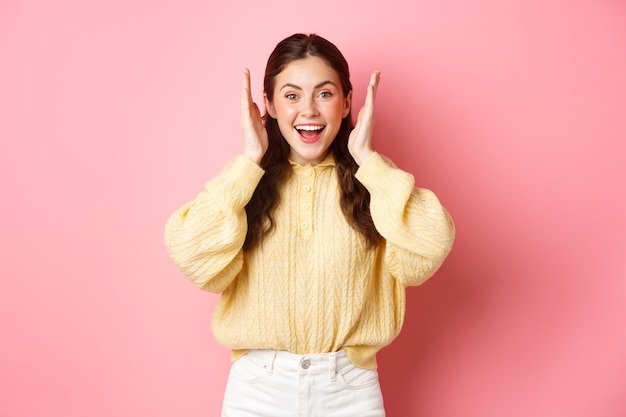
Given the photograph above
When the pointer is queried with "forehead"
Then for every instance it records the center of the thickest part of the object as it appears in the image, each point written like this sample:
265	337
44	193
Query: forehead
307	72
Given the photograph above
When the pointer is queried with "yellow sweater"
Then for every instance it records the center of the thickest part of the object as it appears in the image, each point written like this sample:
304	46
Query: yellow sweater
312	286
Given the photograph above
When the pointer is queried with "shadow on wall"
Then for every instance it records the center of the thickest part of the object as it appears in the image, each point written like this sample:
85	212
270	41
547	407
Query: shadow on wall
442	311
438	316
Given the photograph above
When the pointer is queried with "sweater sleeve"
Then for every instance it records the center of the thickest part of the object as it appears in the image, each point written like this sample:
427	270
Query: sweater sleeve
205	236
418	230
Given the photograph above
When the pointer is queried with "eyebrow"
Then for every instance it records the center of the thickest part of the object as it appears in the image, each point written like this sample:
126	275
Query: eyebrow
322	84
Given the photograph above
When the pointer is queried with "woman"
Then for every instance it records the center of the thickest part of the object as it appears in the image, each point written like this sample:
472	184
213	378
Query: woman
311	238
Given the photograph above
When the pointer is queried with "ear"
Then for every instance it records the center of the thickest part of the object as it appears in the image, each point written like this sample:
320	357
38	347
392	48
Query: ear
269	107
347	104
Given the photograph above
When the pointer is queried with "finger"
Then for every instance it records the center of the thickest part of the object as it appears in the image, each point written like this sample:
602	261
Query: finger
246	95
375	79
372	87
246	79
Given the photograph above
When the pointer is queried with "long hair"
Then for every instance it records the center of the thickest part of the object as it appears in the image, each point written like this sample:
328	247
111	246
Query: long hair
354	197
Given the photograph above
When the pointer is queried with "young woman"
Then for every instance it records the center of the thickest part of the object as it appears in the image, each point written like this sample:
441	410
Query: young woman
311	237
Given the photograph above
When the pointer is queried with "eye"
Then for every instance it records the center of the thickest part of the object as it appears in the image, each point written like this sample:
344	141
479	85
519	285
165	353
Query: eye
291	96
326	94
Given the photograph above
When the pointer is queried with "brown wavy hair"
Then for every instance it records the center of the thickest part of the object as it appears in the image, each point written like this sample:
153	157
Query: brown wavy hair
354	197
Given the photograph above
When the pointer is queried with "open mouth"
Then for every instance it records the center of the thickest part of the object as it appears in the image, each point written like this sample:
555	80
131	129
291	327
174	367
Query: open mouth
309	133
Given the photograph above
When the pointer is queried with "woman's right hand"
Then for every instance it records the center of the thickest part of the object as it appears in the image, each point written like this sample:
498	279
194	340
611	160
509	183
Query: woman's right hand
254	132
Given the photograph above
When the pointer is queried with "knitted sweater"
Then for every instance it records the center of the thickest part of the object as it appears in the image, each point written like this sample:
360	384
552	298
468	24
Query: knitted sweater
312	285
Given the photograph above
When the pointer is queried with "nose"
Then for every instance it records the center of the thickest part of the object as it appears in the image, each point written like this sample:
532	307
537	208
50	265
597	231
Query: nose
309	107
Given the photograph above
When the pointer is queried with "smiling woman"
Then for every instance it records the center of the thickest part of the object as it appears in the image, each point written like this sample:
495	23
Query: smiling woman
310	237
310	105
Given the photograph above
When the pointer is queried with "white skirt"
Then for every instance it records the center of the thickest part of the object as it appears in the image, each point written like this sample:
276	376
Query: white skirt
268	383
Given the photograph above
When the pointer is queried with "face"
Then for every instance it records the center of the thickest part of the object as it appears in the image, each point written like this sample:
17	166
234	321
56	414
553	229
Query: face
309	105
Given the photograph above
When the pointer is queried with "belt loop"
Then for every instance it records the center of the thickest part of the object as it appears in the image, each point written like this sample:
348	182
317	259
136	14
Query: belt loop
332	366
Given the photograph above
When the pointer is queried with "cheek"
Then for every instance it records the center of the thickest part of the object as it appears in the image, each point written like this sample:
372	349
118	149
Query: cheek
336	110
285	119
284	113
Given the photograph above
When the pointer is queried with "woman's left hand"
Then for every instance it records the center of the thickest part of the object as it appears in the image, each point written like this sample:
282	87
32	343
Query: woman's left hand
360	140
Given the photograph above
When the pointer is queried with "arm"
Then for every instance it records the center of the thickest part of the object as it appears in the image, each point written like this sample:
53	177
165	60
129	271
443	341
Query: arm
205	236
418	229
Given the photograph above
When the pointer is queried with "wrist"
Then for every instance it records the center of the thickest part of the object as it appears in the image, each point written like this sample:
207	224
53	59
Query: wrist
362	155
253	157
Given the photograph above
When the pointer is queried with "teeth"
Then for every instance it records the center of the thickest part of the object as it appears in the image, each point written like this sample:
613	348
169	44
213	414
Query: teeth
310	128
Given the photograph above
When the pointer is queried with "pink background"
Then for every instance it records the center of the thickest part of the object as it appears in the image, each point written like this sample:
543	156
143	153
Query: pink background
113	113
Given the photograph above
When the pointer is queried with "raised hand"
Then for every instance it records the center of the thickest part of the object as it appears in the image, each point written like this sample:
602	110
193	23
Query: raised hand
253	129
360	140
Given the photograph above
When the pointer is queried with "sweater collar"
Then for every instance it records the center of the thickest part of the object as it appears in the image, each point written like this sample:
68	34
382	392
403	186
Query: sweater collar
329	161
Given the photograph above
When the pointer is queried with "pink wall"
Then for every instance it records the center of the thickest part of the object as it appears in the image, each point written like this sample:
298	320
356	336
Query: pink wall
113	113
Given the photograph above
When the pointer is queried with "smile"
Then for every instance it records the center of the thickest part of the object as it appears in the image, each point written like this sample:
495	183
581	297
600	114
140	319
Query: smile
309	133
